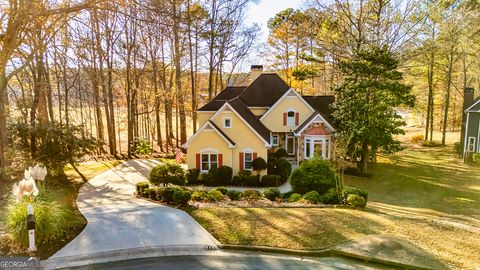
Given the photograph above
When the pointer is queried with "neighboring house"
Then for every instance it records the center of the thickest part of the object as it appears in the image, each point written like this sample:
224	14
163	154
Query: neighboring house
245	122
471	136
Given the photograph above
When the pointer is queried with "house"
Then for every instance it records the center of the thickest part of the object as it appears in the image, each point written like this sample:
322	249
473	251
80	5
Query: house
245	122
470	136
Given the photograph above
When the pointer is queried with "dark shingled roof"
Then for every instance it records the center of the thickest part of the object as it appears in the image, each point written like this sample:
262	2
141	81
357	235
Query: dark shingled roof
322	105
264	91
221	132
251	119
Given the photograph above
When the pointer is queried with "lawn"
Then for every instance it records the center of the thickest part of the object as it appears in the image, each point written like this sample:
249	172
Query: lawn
66	191
425	195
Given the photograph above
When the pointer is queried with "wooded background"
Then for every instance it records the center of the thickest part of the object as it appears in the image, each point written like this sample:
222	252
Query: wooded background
132	70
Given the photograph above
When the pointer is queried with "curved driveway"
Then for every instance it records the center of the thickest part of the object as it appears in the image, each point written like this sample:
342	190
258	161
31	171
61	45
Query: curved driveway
122	226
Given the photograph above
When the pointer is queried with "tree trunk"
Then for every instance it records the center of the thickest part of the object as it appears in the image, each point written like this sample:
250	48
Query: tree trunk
447	95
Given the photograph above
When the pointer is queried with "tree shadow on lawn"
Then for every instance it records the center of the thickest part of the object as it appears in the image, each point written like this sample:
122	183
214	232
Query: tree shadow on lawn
447	188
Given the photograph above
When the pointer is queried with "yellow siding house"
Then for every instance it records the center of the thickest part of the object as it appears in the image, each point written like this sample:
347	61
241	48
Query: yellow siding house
243	123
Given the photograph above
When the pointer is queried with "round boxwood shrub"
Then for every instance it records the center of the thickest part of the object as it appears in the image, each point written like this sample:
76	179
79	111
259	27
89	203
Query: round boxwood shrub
312	197
166	194
192	176
237	181
270	180
283	168
141	186
199	196
286	195
281	153
356	201
224	175
259	164
314	174
214	195
252	194
353	190
244	176
330	197
253	181
271	193
234	195
295	197
168	173
181	196
152	193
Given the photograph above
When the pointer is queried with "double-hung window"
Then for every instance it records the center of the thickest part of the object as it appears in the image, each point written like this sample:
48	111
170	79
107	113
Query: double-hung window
291	118
247	160
275	140
209	161
471	144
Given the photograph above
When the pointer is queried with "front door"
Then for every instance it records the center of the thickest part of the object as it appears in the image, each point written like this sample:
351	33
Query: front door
290	144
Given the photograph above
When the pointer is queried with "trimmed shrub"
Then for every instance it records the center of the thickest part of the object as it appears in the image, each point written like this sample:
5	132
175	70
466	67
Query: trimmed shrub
199	196
252	194
271	193
181	196
432	144
356	201
312	197
222	190
214	195
417	138
259	164
281	153
330	197
286	195
150	193
166	194
234	195
140	187
253	181
168	173
224	175
244	174
352	190
237	181
192	176
283	168
270	180
476	158
295	197
314	174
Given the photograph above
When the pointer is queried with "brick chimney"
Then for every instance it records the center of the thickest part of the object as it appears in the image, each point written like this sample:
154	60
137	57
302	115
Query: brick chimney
467	102
255	72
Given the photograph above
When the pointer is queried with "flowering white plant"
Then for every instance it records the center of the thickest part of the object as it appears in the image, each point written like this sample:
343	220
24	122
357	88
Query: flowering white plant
24	188
38	172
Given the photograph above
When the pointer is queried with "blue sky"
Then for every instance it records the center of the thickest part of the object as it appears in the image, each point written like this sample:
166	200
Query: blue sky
265	9
260	13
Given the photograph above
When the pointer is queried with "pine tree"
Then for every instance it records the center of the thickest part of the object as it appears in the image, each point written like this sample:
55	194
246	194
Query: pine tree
366	102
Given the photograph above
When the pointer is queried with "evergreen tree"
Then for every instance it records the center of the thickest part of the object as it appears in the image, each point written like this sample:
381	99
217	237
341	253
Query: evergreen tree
366	102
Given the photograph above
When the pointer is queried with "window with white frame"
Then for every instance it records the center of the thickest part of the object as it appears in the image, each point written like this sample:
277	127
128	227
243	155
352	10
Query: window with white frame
275	140
471	144
291	118
227	122
247	160
209	160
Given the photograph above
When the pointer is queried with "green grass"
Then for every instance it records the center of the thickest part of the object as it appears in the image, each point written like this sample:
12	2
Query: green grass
425	195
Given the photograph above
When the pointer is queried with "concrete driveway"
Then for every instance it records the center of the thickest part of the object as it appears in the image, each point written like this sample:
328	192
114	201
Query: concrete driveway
121	226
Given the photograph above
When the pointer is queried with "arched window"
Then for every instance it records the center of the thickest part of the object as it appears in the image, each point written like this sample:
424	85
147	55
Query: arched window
275	139
291	118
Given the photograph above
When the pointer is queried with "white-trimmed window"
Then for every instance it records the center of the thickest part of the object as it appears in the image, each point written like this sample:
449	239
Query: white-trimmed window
247	160
275	140
209	160
291	118
227	122
471	144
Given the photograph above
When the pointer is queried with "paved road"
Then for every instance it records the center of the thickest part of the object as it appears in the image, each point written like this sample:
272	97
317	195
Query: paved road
119	223
236	261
